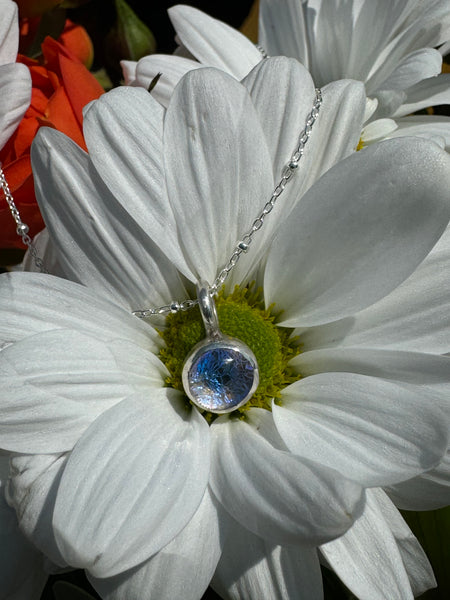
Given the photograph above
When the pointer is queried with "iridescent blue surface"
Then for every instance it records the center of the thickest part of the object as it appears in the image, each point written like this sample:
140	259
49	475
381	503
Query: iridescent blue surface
221	378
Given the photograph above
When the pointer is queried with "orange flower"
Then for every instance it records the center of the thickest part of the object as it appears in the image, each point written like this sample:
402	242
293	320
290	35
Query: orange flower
62	86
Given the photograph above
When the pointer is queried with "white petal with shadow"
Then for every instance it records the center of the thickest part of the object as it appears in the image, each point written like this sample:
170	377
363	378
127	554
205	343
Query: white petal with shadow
368	429
273	493
191	556
342	246
205	38
52	397
149	452
99	244
215	186
364	552
252	567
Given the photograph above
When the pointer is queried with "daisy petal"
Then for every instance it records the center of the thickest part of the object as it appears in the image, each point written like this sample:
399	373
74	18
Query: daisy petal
428	491
158	457
366	550
266	488
368	429
98	243
128	71
34	302
428	92
32	490
127	154
415	67
191	556
435	127
172	68
21	565
251	567
282	30
430	371
282	92
414	316
391	223
224	189
15	83
52	397
199	34
417	565
9	33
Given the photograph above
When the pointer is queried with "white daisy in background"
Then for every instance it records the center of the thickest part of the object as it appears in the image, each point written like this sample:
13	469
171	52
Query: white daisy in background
15	80
115	471
389	46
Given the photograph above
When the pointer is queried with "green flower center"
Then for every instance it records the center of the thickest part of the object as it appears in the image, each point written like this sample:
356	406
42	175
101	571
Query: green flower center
241	315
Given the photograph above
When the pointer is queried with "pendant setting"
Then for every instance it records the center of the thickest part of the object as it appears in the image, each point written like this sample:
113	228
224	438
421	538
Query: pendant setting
220	373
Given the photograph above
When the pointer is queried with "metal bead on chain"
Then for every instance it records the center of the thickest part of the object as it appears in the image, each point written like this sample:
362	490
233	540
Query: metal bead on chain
22	228
243	244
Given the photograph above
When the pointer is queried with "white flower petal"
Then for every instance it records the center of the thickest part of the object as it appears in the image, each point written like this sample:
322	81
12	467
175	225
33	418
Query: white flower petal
128	71
127	154
370	430
415	67
34	302
342	246
417	565
215	186
282	92
191	556
156	469
273	493
9	33
253	568
428	491
415	316
337	131
428	92
21	566
47	251
214	43
434	127
15	84
430	372
282	29
366	551
53	395
98	243
32	489
378	129
172	69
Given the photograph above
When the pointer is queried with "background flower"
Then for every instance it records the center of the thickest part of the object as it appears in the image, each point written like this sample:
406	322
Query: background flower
61	87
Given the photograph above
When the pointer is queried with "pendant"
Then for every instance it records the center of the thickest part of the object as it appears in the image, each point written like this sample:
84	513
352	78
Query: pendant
220	373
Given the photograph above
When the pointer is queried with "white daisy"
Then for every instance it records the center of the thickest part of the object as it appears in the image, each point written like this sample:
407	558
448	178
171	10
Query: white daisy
390	46
152	486
15	80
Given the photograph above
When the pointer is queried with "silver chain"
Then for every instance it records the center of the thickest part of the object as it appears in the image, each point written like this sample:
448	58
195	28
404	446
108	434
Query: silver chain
22	228
243	245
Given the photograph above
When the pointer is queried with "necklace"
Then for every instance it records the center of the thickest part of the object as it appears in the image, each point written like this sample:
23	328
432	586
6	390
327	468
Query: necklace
221	373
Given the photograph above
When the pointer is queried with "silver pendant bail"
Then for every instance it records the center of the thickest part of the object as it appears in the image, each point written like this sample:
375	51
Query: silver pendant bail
208	311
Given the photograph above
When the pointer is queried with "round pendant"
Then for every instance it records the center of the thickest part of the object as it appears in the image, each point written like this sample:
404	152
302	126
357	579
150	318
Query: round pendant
220	373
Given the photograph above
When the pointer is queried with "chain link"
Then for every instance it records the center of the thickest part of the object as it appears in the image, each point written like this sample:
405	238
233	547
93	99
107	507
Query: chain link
22	228
243	245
